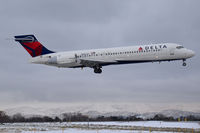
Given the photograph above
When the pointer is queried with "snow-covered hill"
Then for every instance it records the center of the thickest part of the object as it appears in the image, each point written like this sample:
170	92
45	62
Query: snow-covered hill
105	109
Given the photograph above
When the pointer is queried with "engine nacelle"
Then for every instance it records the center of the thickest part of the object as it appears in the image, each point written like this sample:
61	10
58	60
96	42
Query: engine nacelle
52	60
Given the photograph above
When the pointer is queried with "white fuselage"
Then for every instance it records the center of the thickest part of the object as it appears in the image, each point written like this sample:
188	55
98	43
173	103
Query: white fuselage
118	55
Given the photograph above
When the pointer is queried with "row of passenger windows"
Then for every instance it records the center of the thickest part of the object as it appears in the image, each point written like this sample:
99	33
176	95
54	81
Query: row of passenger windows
118	53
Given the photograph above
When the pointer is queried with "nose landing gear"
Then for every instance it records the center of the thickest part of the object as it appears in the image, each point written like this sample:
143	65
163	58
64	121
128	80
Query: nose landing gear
184	63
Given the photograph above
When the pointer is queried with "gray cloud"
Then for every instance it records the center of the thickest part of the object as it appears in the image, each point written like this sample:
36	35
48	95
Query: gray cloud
72	25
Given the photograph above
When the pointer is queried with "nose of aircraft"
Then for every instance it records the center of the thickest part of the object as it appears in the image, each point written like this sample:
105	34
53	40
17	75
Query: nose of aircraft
191	53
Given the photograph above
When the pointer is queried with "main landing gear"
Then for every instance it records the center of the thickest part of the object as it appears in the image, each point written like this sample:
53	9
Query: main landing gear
184	63
97	69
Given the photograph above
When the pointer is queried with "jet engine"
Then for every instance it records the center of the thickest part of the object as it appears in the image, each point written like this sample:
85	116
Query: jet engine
52	60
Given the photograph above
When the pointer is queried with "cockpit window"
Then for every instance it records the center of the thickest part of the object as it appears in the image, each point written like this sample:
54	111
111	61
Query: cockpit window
179	47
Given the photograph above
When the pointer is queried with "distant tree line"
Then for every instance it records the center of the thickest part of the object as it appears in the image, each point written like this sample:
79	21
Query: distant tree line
78	117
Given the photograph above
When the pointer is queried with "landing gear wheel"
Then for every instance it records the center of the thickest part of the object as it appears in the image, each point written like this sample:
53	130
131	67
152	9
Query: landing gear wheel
184	64
97	70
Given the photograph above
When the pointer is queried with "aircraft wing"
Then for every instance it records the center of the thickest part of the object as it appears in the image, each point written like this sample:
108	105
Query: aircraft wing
93	63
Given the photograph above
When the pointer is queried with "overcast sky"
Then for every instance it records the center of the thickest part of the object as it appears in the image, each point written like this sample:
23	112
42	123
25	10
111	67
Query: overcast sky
63	25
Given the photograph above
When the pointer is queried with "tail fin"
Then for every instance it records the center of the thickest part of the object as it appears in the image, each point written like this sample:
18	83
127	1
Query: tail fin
32	46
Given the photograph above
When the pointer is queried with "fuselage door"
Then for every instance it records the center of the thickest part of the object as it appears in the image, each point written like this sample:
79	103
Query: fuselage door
172	52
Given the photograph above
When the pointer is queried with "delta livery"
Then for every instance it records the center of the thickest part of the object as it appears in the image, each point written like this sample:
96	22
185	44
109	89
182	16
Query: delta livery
97	58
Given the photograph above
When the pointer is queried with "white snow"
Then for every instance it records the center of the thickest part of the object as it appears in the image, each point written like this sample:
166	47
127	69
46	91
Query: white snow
92	131
163	124
57	127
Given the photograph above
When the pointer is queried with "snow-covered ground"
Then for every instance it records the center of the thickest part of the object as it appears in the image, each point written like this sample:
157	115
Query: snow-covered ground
96	127
92	131
194	125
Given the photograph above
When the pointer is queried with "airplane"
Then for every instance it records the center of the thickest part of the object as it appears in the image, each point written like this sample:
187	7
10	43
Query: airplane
97	58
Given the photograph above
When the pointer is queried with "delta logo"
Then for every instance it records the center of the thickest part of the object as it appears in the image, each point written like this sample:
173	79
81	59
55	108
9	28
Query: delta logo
155	47
140	49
